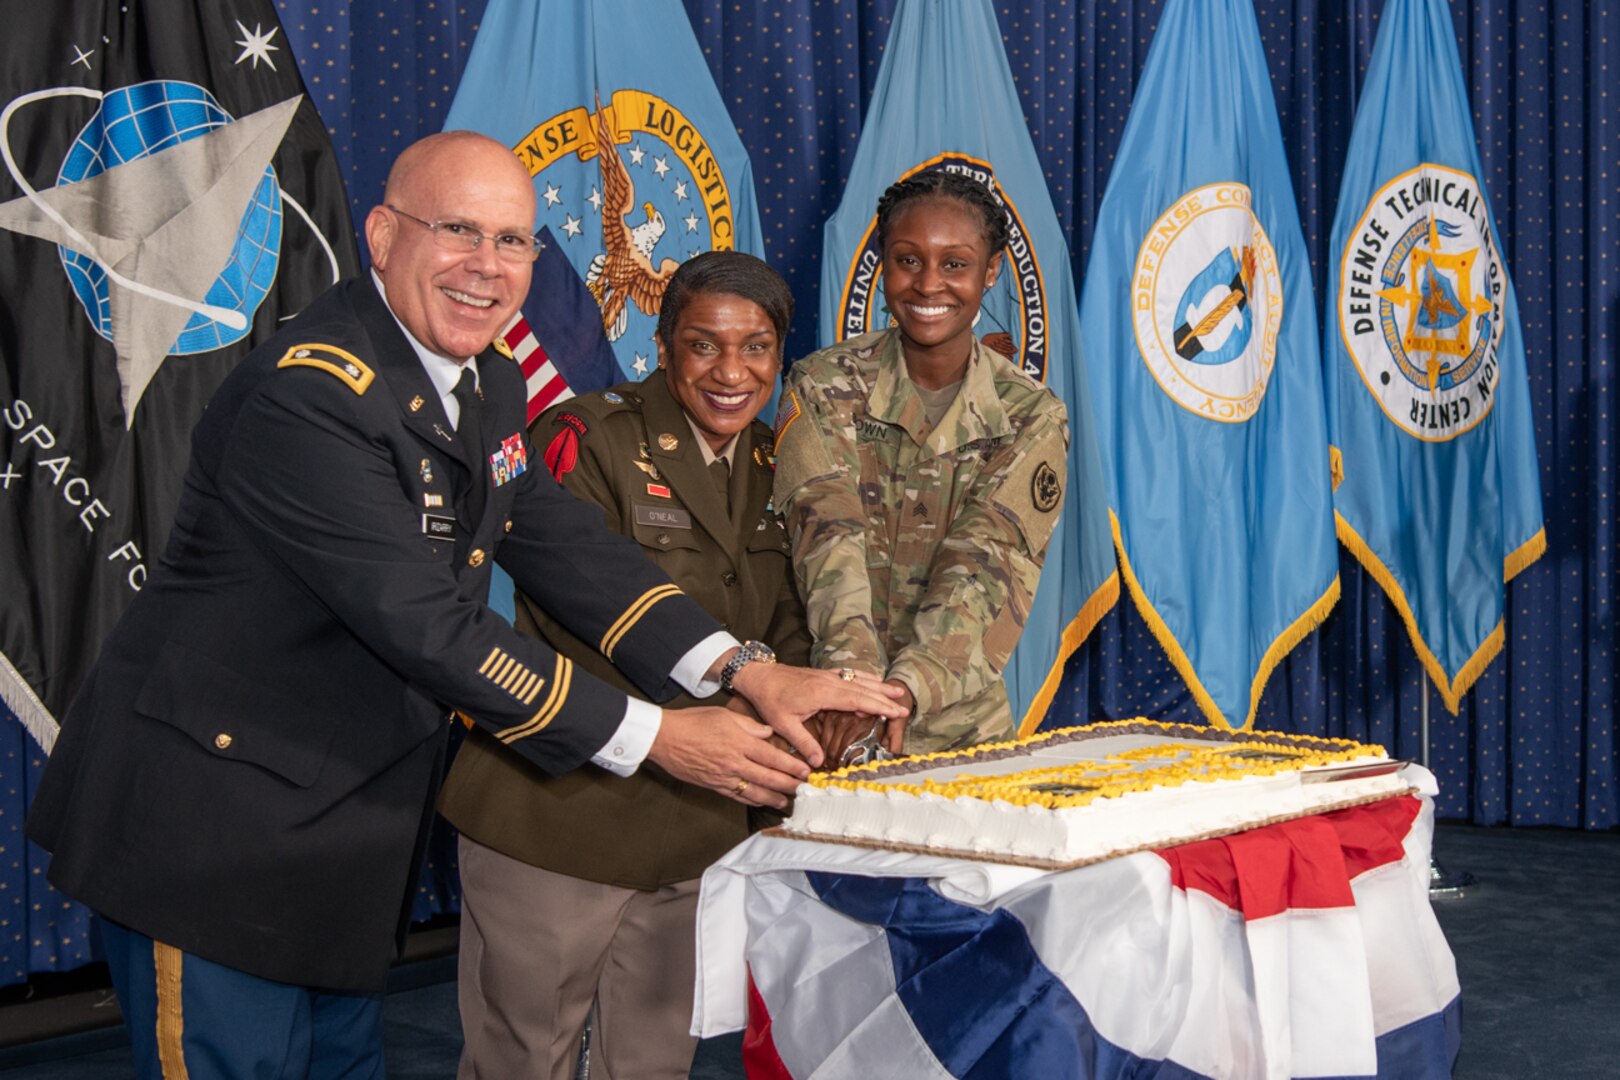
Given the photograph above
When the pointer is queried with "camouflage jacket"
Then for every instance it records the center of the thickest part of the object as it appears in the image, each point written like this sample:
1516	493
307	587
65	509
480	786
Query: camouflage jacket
918	550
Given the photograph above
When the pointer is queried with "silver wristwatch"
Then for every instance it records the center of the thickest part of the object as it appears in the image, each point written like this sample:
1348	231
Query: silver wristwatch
750	651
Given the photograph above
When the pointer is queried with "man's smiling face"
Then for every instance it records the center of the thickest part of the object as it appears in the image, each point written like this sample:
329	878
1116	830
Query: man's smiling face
453	302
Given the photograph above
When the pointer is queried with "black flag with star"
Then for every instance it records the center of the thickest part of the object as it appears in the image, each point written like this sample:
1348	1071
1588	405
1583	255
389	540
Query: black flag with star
168	198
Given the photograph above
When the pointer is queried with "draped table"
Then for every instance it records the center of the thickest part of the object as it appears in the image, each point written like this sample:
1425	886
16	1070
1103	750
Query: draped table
1301	949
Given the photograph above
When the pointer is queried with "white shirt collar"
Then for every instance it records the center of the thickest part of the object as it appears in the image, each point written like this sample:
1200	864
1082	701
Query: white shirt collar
442	371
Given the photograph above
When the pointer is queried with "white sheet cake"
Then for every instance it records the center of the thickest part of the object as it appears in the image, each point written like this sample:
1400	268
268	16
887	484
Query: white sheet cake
1077	795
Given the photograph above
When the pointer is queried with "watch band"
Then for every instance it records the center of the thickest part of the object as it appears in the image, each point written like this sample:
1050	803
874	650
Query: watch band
750	651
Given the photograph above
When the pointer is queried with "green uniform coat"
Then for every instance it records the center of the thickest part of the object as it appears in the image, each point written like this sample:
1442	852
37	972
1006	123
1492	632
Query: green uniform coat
649	829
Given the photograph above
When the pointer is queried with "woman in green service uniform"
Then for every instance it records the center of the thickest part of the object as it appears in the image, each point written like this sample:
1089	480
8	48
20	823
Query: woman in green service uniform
583	888
920	474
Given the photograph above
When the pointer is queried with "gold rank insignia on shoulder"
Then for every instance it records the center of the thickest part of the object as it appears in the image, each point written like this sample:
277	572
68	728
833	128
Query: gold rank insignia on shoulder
334	361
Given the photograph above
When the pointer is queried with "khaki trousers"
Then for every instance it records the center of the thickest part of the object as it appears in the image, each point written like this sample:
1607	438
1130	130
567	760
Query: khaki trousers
538	948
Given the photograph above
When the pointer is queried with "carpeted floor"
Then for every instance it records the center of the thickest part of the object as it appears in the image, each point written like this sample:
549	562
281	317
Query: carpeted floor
1537	945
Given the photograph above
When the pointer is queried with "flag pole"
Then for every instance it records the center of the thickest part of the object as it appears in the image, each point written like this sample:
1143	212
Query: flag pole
1443	885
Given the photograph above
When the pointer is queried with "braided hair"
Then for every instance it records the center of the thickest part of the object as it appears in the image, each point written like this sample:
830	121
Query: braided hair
937	183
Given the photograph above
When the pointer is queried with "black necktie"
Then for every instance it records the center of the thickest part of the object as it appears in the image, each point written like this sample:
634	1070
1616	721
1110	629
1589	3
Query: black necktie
720	473
469	428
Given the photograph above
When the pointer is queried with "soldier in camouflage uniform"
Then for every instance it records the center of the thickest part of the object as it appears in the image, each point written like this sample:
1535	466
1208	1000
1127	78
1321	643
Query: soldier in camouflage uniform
920	475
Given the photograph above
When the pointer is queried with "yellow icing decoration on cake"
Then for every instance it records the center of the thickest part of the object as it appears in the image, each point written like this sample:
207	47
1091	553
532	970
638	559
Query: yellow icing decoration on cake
1078	784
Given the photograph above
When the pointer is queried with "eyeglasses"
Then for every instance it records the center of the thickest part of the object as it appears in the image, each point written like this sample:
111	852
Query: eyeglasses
458	236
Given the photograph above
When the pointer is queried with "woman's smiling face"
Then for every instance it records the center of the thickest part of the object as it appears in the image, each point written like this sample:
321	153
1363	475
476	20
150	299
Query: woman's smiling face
936	267
721	364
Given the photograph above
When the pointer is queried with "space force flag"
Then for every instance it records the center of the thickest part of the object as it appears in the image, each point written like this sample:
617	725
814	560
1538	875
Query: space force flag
1428	403
1200	333
559	81
945	99
169	197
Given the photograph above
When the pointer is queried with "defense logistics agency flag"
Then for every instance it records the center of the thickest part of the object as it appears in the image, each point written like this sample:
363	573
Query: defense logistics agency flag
169	199
1201	331
945	99
557	80
1428	403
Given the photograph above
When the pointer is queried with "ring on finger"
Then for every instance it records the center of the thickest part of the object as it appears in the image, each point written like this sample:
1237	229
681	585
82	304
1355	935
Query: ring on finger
739	787
847	674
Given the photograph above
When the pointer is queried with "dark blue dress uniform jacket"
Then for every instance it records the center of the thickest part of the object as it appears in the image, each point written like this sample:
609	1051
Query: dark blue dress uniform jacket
249	771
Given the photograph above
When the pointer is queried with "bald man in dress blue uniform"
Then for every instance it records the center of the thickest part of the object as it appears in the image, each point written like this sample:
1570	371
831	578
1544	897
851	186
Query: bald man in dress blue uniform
243	786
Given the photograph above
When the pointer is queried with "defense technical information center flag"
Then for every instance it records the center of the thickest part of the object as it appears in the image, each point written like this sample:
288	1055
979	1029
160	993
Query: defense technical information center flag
1428	400
169	198
557	80
1200	329
945	99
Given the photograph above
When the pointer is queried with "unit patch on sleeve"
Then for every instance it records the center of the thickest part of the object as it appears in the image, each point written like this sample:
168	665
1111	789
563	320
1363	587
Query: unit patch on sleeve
1045	489
562	454
332	360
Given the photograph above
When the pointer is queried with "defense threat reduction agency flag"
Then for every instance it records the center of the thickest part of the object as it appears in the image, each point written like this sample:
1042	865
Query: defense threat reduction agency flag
1200	329
945	99
1428	401
559	80
169	198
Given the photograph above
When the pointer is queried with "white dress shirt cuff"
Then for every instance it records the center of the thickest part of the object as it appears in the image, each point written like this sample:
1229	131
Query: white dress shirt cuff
628	748
690	672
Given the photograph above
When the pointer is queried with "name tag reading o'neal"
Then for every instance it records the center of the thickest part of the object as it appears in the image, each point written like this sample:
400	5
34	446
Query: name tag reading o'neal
439	526
666	517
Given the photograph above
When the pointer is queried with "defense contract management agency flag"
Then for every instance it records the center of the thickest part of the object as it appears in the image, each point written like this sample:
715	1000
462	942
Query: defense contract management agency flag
1200	332
1428	401
945	99
169	197
558	80
1305	948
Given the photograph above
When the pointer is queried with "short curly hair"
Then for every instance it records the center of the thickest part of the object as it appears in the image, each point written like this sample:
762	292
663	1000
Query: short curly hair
940	184
730	273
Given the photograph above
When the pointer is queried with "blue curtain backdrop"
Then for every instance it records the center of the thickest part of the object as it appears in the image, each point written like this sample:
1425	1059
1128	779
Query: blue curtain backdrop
1536	741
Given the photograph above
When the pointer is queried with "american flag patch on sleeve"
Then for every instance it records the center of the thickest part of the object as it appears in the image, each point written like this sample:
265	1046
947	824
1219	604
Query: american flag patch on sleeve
787	411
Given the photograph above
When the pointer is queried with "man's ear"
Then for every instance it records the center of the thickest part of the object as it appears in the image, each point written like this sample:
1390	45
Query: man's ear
380	226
